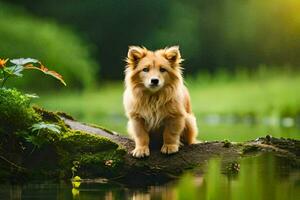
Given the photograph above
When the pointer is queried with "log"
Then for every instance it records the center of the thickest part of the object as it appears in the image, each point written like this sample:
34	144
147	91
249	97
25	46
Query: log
161	168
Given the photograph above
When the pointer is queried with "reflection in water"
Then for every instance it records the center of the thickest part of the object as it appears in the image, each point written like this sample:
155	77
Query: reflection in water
261	177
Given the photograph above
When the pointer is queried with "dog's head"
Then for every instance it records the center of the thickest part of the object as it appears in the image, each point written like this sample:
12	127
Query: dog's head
153	70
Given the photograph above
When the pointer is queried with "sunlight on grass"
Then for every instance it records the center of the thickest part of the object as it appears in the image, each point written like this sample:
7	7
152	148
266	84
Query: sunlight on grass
259	97
274	97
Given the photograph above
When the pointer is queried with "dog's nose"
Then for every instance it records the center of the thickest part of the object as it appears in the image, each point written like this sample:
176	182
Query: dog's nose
154	81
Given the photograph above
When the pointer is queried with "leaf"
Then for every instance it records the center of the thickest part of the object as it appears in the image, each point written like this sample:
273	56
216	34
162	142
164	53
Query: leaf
32	96
45	70
14	70
53	74
77	178
23	61
42	125
17	71
76	181
37	141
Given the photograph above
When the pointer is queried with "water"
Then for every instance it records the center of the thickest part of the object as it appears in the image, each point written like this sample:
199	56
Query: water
260	177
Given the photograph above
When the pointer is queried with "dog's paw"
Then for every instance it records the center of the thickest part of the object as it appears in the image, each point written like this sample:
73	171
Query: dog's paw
169	148
140	152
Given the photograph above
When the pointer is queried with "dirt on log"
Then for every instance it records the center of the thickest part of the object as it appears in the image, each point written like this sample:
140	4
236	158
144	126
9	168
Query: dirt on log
160	168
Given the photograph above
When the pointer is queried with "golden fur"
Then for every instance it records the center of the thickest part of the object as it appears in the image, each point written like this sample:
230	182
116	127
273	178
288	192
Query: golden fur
164	105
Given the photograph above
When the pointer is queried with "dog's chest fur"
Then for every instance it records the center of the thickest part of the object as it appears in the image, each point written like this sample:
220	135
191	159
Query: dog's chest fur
153	109
153	113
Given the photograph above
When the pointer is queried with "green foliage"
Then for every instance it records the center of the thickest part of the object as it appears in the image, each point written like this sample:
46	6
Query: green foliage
32	96
102	24
42	125
50	117
14	70
60	48
16	113
43	133
102	163
24	64
88	155
212	34
78	141
76	181
74	168
68	152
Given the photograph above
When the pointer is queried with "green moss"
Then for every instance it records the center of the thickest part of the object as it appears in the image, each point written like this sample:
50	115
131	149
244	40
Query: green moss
79	141
75	153
47	115
94	154
51	117
107	163
56	153
16	112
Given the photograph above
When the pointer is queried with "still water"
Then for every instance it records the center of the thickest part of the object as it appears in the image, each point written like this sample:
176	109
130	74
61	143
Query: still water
262	177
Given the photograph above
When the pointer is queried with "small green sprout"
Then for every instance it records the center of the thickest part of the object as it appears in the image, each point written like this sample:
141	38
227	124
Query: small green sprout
42	125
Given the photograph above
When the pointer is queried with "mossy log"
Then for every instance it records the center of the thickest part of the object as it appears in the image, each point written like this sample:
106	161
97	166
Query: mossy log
160	168
92	152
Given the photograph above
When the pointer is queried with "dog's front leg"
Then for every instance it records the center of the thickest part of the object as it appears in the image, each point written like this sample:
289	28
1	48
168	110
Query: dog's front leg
136	127
171	134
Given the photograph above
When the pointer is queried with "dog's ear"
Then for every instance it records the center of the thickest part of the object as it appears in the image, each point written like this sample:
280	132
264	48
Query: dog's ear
135	53
172	54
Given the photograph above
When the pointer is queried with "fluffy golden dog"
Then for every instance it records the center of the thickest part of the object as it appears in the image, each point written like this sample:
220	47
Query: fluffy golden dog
156	101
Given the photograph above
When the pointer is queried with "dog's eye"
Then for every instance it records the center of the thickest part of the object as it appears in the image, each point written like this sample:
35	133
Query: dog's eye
146	69
162	69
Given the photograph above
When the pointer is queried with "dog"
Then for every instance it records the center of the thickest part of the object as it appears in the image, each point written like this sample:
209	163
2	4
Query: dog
156	101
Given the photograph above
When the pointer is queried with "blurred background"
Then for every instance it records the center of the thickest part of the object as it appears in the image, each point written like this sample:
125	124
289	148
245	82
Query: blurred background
242	58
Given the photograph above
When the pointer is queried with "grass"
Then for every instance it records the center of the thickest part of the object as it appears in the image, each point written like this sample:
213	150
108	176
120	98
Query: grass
260	96
275	96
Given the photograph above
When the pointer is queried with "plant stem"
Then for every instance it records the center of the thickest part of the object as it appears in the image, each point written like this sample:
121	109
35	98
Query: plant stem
11	163
3	75
4	80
